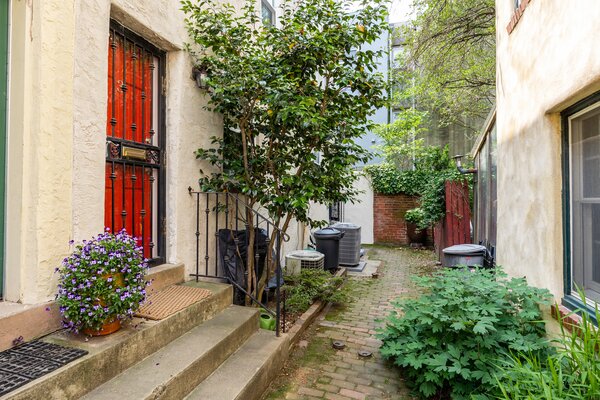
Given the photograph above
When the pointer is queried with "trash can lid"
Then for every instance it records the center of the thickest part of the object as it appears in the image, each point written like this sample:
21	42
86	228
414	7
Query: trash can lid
345	225
328	233
465	250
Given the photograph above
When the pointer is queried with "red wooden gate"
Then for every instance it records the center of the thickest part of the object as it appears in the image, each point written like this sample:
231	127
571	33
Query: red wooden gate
455	227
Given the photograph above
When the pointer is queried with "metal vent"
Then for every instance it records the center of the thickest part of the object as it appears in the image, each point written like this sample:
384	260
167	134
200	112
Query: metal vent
299	259
349	244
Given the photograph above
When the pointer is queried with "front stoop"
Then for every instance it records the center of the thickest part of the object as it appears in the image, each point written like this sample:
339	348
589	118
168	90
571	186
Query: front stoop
248	372
111	355
173	371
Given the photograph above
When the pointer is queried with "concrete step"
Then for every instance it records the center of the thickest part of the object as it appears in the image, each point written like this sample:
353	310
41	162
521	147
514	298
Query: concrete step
111	355
31	321
248	372
173	371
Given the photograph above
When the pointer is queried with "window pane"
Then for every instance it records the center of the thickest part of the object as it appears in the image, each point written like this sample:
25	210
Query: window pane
585	202
482	193
267	13
493	182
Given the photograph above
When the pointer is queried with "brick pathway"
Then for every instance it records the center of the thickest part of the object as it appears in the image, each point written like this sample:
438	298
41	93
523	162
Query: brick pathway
316	371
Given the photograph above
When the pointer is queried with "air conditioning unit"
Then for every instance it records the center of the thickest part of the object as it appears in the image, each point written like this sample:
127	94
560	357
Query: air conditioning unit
349	244
299	259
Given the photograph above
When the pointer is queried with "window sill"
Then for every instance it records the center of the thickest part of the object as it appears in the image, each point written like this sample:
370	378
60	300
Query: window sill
570	311
517	16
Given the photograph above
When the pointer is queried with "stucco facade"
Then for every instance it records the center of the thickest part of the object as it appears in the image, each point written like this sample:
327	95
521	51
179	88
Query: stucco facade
547	60
58	68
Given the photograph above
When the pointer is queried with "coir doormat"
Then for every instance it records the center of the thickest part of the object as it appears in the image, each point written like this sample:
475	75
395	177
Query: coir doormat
170	300
32	360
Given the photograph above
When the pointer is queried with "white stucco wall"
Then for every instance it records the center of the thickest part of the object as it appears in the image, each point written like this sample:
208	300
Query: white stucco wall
361	212
547	63
39	167
57	132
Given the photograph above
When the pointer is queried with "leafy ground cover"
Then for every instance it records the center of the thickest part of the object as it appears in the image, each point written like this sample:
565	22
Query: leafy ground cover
449	341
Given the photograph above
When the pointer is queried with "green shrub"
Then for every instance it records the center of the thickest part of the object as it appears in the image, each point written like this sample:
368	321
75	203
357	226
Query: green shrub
450	339
311	285
432	168
571	372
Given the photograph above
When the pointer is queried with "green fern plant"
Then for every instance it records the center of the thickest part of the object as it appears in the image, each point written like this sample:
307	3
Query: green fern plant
449	340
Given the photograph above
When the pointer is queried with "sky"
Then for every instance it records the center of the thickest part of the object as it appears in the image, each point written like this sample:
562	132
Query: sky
400	10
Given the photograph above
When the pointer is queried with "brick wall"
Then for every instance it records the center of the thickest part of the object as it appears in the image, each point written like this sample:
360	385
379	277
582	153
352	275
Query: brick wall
388	218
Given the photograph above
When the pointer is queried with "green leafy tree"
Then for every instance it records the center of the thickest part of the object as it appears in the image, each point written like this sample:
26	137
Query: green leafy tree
449	63
401	144
294	97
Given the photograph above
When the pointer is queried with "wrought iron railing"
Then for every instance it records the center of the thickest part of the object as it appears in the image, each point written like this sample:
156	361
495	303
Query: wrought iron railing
222	218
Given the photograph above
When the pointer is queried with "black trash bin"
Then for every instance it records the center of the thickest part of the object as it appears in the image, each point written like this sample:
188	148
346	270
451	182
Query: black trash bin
464	254
328	242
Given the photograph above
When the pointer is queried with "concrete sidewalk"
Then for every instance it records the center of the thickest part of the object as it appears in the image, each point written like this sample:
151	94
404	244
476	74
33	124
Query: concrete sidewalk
317	371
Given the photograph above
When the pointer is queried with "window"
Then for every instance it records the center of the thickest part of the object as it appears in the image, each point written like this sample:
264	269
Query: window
134	191
268	12
582	208
485	189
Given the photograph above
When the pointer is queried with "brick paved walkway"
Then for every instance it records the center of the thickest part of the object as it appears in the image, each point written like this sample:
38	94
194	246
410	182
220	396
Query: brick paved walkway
316	371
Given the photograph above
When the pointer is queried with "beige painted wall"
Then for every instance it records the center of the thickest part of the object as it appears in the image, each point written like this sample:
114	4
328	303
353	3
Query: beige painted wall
56	140
547	63
40	170
361	212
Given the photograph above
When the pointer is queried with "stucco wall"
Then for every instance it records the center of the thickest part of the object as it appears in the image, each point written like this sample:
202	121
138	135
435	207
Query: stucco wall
547	63
40	171
361	212
57	132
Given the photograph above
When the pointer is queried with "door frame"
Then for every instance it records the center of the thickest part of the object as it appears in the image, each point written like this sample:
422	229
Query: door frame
162	141
4	56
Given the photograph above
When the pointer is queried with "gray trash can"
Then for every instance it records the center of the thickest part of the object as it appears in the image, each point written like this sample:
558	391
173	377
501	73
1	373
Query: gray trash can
328	243
464	254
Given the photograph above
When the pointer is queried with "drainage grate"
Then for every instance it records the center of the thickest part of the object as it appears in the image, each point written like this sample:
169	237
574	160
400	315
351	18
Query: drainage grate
9	382
32	360
49	351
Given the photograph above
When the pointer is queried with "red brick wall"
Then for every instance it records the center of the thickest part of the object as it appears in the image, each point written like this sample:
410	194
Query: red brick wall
388	214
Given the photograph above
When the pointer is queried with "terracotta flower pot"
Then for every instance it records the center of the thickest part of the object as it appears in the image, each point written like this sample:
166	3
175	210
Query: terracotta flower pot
108	327
117	279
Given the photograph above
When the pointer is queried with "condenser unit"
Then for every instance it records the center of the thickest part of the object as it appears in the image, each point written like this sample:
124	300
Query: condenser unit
300	259
349	244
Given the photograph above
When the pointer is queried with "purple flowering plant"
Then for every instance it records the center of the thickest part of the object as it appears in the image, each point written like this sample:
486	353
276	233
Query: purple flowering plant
101	280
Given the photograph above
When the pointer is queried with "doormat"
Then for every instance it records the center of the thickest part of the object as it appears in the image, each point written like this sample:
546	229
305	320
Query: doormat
168	301
32	360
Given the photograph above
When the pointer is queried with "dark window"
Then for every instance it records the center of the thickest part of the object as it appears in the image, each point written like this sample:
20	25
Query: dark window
486	198
268	12
584	199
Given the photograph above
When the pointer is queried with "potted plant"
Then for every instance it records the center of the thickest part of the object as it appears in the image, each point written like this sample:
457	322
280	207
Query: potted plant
414	220
102	283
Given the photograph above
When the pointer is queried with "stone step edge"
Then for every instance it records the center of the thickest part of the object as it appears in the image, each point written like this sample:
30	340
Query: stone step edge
263	354
271	367
125	349
31	321
174	375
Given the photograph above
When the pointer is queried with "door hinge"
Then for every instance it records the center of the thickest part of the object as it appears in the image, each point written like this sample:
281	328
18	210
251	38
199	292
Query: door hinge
163	156
164	86
164	226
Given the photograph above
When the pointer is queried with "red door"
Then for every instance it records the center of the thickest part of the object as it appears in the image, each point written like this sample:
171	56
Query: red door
134	142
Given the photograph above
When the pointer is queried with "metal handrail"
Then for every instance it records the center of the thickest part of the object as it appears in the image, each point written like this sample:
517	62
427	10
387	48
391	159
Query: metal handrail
227	196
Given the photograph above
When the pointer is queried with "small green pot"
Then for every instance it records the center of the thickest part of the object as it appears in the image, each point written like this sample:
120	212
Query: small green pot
267	321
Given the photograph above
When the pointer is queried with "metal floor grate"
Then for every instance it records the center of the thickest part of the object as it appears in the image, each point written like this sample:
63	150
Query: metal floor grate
32	360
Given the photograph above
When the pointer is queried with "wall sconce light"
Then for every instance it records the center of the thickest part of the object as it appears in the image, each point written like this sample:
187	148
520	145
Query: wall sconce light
457	160
200	75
